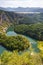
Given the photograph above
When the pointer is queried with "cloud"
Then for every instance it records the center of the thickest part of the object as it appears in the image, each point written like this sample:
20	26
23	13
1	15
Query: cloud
21	3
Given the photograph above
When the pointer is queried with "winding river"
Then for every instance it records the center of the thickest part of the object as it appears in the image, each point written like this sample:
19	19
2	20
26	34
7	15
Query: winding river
33	42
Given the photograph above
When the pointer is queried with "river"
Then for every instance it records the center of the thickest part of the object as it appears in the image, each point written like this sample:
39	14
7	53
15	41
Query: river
33	42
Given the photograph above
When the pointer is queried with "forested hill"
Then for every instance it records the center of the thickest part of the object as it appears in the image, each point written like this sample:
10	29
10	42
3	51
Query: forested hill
20	18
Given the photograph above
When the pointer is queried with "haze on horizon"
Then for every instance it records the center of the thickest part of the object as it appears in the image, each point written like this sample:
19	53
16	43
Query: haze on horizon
21	3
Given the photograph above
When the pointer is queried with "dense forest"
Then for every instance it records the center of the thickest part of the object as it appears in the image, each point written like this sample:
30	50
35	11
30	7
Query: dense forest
19	43
33	30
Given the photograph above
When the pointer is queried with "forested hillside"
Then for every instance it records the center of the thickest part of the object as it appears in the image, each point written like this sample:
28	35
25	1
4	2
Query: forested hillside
33	30
20	18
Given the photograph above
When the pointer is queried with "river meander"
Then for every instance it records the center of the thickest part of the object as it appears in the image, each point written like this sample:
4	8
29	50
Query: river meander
33	42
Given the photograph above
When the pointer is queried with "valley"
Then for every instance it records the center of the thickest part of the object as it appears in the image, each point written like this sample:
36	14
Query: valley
21	38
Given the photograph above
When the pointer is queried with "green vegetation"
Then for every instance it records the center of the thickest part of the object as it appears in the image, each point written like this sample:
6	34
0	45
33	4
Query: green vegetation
13	58
32	30
40	45
17	18
4	26
19	42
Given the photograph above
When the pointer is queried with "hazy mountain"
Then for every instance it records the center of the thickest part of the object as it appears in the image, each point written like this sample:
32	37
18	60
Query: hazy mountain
21	9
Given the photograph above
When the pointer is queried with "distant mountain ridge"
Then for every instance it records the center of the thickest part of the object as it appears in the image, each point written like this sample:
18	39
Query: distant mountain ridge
21	9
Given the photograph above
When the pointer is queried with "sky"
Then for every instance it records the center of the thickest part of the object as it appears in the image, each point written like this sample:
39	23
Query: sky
21	3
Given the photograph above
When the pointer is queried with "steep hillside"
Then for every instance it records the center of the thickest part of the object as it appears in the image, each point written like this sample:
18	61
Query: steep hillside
20	18
4	22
